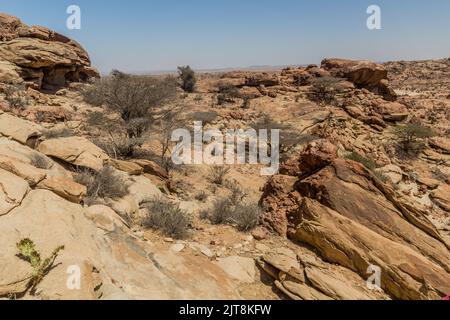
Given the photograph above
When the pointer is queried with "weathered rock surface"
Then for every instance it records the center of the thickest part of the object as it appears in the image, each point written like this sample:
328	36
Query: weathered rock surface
113	265
76	151
355	220
40	56
18	129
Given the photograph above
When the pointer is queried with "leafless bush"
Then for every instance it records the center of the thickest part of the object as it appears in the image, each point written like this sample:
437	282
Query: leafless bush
234	210
217	174
105	184
167	217
16	96
243	216
135	98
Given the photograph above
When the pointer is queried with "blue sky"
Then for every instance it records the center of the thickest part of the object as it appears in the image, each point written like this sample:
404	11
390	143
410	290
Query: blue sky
148	35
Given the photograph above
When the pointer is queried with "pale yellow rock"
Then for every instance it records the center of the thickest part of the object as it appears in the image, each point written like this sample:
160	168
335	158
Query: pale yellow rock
24	170
18	129
239	268
64	187
12	191
77	151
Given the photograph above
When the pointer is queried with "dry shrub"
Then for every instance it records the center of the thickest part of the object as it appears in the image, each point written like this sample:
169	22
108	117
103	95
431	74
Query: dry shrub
217	174
16	96
105	184
234	210
168	218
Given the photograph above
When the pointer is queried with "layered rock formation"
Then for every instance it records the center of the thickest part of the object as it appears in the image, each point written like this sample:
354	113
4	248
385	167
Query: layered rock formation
40	57
355	220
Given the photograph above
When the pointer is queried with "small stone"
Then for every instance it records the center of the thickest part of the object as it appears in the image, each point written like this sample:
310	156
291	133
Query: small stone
259	234
170	240
177	247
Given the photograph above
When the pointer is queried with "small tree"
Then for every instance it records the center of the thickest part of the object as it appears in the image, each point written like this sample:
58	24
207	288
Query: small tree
324	89
187	76
135	98
411	138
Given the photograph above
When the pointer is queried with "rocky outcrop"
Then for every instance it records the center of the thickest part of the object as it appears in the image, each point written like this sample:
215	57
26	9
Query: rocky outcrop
355	220
40	57
364	74
76	151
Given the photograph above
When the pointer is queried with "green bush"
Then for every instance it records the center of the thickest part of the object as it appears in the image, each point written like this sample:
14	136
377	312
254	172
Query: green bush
27	251
368	163
411	139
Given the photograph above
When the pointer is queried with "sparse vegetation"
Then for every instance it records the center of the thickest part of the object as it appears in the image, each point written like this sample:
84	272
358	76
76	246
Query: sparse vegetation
368	163
234	210
411	139
324	89
16	96
134	98
205	117
289	137
105	184
168	218
27	251
58	133
187	76
39	161
217	174
227	94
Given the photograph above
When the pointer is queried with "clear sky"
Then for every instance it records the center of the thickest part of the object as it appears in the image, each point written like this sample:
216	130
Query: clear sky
150	35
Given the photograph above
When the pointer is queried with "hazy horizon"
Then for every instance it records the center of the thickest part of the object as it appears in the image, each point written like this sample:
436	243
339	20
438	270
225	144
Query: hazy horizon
157	36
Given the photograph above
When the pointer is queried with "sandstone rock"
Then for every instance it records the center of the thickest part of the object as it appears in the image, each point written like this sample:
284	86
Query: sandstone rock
151	168
76	151
66	188
441	143
393	173
441	196
129	167
22	169
350	244
18	129
42	56
354	220
363	73
239	268
112	264
12	191
393	111
317	155
265	79
105	218
9	72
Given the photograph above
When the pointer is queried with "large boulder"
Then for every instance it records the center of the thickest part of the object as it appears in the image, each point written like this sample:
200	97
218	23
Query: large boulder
18	129
40	56
77	151
355	220
362	73
111	262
